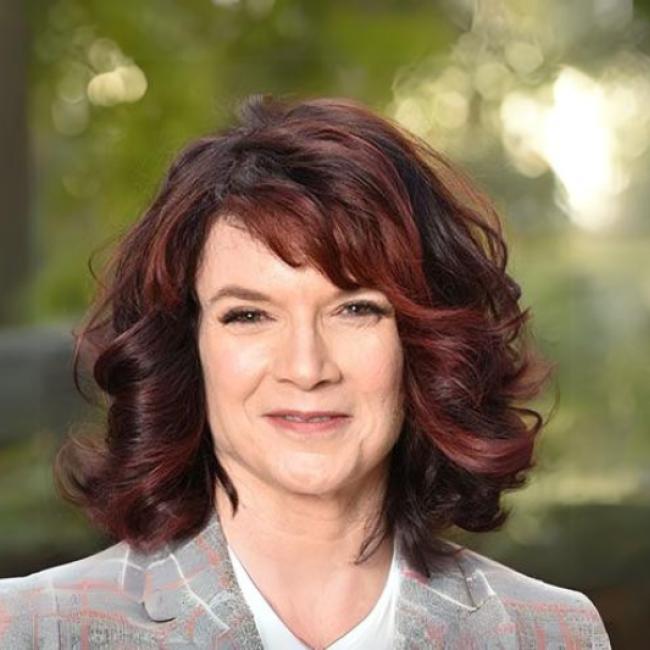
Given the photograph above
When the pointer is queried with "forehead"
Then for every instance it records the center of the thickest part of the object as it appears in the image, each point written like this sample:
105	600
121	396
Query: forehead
232	256
228	237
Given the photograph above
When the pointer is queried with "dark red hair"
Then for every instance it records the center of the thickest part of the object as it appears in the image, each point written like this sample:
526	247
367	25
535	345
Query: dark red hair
324	182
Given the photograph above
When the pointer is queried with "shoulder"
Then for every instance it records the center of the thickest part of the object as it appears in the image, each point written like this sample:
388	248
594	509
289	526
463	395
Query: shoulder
104	585
542	613
103	570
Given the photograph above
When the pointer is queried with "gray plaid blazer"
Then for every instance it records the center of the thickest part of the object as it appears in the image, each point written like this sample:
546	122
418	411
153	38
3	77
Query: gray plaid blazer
186	596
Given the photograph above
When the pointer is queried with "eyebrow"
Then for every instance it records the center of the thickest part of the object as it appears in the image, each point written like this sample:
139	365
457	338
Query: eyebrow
244	293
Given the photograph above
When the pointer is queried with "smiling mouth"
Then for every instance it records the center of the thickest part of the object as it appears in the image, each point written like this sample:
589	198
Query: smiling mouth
313	424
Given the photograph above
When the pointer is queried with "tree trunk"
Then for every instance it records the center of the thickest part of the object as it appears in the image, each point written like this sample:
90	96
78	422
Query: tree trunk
15	240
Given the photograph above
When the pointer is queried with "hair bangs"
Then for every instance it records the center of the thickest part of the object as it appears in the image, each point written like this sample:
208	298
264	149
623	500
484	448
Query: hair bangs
349	248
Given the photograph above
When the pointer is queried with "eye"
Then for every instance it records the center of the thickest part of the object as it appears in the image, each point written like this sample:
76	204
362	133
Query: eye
366	308
356	310
246	316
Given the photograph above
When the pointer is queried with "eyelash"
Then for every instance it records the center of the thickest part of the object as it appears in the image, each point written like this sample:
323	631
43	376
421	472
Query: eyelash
238	315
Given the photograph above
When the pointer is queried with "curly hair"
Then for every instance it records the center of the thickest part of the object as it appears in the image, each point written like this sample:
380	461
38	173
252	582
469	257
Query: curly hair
367	204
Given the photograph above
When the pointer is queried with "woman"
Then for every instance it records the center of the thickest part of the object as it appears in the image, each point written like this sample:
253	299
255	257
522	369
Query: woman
315	365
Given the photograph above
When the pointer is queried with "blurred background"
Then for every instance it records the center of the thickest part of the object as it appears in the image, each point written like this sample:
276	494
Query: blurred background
544	102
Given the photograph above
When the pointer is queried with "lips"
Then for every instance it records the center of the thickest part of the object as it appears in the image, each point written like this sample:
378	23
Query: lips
306	415
308	422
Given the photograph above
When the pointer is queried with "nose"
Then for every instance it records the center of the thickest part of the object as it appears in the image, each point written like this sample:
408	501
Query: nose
304	358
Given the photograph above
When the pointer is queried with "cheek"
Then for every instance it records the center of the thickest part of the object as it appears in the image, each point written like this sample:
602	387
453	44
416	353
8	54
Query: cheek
385	375
375	362
230	369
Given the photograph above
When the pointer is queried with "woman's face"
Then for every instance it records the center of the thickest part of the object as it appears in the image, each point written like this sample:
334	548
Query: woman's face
273	338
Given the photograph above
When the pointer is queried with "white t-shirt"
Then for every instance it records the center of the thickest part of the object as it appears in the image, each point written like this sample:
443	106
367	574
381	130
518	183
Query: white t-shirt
376	630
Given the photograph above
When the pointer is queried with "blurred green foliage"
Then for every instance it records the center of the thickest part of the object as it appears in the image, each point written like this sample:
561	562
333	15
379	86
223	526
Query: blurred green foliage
199	59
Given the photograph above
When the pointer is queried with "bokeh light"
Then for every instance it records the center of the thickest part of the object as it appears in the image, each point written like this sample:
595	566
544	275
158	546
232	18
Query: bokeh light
501	88
126	83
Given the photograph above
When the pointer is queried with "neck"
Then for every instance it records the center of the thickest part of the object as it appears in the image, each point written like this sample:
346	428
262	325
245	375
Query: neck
309	532
300	549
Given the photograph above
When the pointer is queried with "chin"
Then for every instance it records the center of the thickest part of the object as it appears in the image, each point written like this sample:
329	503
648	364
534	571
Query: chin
307	485
310	482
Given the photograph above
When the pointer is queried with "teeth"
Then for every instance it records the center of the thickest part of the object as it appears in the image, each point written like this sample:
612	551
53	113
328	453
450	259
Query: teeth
296	418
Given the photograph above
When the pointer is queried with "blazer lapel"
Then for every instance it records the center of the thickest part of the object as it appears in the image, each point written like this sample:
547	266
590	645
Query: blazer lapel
193	590
454	609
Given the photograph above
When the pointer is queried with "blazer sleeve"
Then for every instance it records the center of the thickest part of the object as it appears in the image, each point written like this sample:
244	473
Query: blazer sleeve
538	614
568	621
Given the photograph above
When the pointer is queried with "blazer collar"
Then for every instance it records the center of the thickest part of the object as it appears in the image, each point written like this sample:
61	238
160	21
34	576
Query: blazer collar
192	589
455	608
